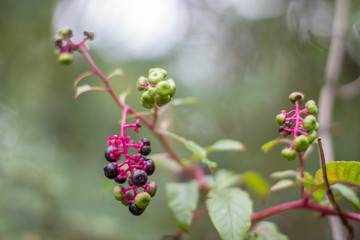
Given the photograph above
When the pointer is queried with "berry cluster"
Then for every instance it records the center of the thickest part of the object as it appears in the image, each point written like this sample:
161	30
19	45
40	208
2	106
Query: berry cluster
135	169
157	89
66	47
303	129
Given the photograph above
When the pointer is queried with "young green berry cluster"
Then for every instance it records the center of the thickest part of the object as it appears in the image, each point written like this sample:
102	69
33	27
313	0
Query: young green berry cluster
65	47
135	170
304	129
157	89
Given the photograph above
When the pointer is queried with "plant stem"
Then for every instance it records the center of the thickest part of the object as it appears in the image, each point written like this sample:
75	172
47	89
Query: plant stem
302	170
301	204
331	196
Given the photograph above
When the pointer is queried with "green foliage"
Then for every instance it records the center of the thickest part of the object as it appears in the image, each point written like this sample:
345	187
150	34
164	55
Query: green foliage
310	184
182	201
282	184
340	171
269	145
230	211
224	179
86	88
266	231
254	182
225	145
348	193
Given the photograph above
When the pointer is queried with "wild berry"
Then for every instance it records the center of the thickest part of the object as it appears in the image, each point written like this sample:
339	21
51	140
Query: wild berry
142	200
117	194
145	141
156	76
120	179
111	170
311	107
138	178
162	100
301	143
109	155
163	88
309	123
296	96
135	210
288	154
312	136
66	32
163	71
149	166
280	119
152	188
145	150
65	58
141	83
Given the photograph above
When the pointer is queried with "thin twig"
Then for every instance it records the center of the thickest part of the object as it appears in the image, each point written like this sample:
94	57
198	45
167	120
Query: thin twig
331	196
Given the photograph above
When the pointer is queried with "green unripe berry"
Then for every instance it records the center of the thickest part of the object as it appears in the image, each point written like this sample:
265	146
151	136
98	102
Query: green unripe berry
152	91
296	96
280	119
66	32
311	107
117	194
172	86
162	100
156	76
140	83
288	154
147	105
317	126
312	136
65	58
163	71
142	199
147	98
309	123
89	35
152	188
163	88
301	143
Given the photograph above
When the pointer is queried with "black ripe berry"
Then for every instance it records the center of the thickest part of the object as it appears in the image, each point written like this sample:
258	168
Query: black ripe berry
145	141
135	210
120	179
108	154
111	170
145	150
138	178
149	166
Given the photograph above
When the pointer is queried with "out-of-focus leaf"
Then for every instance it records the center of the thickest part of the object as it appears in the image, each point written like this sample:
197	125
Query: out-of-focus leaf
269	145
87	88
163	160
198	150
340	171
225	145
182	201
310	184
223	179
256	183
81	77
348	193
230	211
117	72
282	184
283	174
266	231
183	101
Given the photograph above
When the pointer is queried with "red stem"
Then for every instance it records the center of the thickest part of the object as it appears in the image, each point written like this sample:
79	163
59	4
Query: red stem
301	204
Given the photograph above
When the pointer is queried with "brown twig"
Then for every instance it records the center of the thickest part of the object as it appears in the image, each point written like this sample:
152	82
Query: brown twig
330	196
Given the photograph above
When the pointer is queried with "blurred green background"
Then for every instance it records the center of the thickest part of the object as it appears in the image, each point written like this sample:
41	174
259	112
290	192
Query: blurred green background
240	59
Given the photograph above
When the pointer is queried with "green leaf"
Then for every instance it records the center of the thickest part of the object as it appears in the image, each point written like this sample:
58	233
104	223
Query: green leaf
348	193
163	160
224	178
198	150
283	174
256	183
87	88
310	184
182	201
282	184
269	145
266	231
340	171
230	211
225	145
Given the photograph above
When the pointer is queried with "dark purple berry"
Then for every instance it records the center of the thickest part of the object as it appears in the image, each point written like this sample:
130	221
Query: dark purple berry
108	155
145	141
145	150
120	178
111	170
138	178
135	210
130	181
149	166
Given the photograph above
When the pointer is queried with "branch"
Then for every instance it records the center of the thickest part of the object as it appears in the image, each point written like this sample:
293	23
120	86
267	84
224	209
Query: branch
331	196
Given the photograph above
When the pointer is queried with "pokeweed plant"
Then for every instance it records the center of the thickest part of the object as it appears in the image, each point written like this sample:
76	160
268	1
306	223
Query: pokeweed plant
228	206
